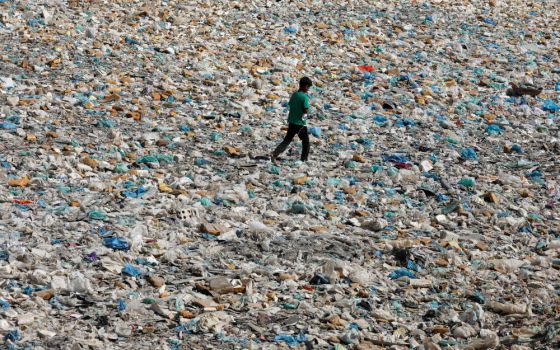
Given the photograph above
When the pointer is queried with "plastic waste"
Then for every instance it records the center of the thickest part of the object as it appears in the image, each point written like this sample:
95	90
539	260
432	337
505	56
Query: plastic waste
469	154
401	273
8	126
116	243
550	106
467	182
493	129
315	131
290	340
140	208
130	270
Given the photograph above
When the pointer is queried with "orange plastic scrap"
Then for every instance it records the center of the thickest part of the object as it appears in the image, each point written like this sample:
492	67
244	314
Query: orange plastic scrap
23	182
22	201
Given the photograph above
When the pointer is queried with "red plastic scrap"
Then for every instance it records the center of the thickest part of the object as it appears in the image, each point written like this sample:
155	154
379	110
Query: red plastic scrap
365	68
403	166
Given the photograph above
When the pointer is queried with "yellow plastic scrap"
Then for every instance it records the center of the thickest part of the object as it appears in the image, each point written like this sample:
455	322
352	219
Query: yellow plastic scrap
164	188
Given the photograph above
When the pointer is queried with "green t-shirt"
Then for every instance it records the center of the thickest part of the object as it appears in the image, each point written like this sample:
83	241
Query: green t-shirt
298	102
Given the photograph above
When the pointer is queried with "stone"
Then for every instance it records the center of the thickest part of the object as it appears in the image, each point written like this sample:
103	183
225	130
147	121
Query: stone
211	229
375	225
382	315
45	333
508	309
491	197
186	314
123	330
92	163
464	331
46	294
300	180
25	319
420	283
156	281
12	100
358	158
231	151
439	329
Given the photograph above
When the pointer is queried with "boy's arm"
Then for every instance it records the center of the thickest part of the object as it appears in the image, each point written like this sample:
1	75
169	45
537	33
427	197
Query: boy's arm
306	105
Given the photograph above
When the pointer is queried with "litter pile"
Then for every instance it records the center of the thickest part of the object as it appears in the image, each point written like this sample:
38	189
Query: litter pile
138	207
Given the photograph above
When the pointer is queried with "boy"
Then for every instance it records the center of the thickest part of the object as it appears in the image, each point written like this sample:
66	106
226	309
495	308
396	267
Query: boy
299	106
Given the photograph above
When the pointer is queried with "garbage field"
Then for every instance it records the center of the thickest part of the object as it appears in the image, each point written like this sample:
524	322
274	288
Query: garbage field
140	209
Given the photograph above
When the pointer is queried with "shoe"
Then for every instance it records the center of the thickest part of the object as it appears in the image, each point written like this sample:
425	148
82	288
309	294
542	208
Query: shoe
274	159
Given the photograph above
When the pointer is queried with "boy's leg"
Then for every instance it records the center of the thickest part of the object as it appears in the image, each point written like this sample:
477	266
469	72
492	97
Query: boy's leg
292	131
304	137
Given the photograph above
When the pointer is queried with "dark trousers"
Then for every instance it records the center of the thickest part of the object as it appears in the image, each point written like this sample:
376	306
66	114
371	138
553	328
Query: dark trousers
293	130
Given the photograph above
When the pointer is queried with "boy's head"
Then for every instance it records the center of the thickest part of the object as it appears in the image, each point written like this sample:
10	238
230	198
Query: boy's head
304	84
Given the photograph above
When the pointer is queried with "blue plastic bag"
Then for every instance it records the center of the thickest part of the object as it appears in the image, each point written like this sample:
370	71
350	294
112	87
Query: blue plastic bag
4	305
130	270
404	122
395	158
550	106
8	126
380	120
147	159
12	335
516	149
411	265
131	41
398	273
106	123
318	279
315	131
493	129
200	162
290	340
298	208
116	243
136	193
121	305
468	154
365	142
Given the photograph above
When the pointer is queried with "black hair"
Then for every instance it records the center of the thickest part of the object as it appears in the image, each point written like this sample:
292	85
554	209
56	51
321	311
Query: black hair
305	81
